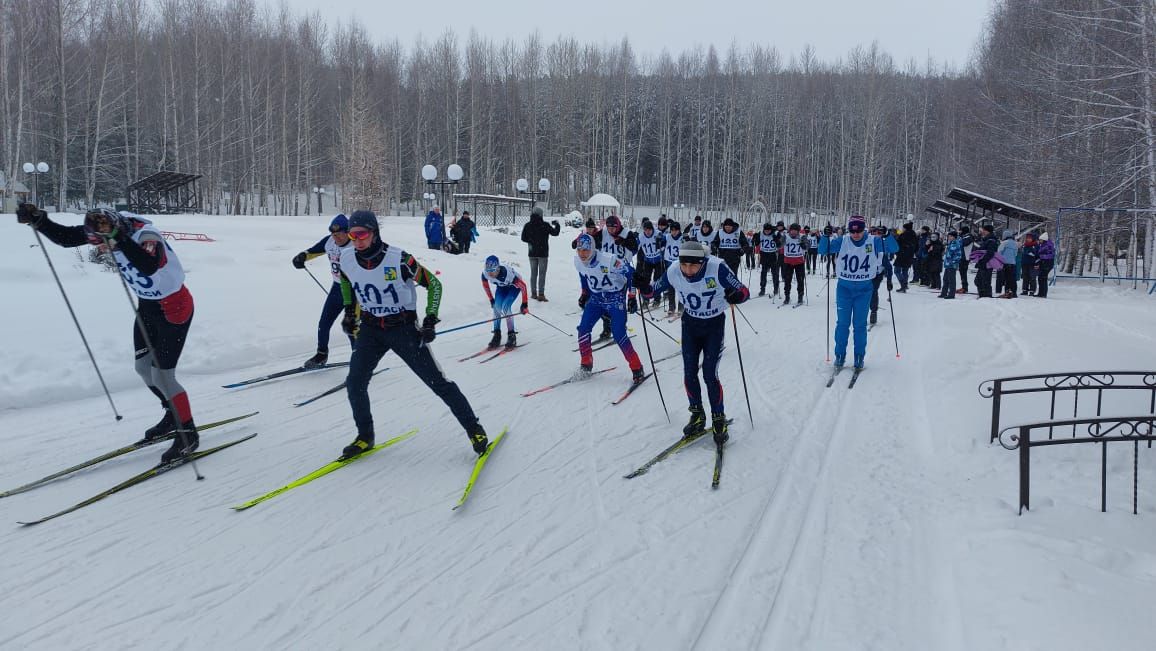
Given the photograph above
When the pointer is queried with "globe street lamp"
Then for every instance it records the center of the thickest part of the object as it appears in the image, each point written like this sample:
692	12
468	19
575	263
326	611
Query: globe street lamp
317	190
430	174
36	170
523	187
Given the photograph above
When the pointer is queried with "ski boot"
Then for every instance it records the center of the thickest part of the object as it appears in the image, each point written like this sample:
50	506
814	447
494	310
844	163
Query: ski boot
840	362
604	335
858	363
496	340
873	318
719	426
317	361
511	339
697	422
360	444
639	375
800	301
161	430
478	439
185	442
786	299
762	291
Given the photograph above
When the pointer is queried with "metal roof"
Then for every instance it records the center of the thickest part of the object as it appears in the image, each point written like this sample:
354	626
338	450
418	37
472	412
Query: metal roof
989	205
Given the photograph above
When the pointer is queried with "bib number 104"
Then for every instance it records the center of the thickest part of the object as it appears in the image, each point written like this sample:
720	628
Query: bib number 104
853	264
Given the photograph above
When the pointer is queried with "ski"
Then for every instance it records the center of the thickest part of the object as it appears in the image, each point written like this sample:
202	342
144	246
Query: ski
478	465
501	352
323	470
566	381
481	352
797	306
670	450
854	378
274	376
630	390
718	462
115	453
329	392
834	373
670	356
606	343
133	481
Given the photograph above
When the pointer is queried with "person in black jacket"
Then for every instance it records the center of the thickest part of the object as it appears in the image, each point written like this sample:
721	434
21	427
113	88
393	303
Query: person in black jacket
933	260
908	245
989	245
536	233
463	231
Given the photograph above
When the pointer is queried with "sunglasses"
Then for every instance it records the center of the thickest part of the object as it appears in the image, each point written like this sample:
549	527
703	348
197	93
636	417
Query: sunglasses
361	234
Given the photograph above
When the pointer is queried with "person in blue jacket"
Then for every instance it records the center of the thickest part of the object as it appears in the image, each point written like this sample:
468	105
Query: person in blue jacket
858	259
952	256
331	245
435	228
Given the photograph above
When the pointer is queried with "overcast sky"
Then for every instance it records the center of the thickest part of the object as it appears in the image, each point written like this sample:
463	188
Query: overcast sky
944	29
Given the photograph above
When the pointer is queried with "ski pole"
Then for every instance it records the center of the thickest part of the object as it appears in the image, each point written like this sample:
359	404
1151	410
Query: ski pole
76	321
667	334
568	334
319	285
653	368
742	371
747	320
153	351
471	325
894	330
827	288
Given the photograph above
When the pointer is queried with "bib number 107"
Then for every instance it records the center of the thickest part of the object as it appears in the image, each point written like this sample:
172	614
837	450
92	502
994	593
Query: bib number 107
694	301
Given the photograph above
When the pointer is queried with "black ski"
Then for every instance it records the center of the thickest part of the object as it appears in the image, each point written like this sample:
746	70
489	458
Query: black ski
133	481
329	392
718	460
854	378
834	373
274	376
112	455
670	450
630	390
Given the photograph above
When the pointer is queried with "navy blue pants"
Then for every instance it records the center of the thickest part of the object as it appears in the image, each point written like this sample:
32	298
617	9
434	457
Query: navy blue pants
703	337
332	309
373	342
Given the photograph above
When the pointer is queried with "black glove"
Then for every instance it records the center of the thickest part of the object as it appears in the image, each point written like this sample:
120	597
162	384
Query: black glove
524	309
889	285
736	296
646	289
349	321
555	222
427	328
299	260
582	300
620	241
28	213
491	302
632	305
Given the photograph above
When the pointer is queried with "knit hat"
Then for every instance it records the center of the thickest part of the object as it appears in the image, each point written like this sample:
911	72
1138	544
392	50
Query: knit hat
675	226
1044	237
364	219
584	242
536	212
856	224
730	222
692	252
613	220
590	222
340	222
794	226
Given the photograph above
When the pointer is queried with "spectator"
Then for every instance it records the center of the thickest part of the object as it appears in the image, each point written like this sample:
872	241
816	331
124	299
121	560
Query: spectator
1008	250
985	258
435	228
933	260
1030	263
537	233
1047	253
463	231
952	256
908	245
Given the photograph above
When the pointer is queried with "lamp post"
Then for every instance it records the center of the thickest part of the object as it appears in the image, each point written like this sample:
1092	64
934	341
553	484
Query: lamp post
36	170
318	190
523	187
429	196
430	174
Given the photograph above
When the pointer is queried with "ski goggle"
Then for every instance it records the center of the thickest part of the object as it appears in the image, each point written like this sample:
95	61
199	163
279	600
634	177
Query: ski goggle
360	234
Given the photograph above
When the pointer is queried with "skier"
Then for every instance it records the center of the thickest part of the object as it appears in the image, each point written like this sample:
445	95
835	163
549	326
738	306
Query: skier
889	246
509	284
812	251
380	278
670	259
330	245
794	257
767	242
731	244
698	279
825	244
164	307
706	235
605	280
651	245
859	258
693	229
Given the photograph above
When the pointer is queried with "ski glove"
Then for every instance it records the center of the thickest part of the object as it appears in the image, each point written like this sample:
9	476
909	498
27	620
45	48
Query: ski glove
736	296
28	213
349	322
427	328
582	300
631	305
299	260
524	309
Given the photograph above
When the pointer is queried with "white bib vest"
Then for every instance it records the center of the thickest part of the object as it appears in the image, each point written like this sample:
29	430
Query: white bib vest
380	291
167	281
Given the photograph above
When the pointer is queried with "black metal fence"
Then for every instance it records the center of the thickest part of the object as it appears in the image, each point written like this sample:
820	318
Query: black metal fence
1077	383
1133	429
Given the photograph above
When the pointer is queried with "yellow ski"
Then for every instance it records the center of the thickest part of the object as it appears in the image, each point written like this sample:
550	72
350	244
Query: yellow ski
478	467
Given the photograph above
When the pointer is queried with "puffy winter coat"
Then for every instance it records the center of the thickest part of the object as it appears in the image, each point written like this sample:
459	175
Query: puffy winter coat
908	244
953	254
536	233
435	228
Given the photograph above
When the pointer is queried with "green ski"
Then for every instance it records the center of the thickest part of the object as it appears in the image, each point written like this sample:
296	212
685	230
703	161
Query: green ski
322	471
478	465
148	474
112	455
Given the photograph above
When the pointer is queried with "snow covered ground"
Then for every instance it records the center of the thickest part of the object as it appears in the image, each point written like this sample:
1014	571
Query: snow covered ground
878	518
